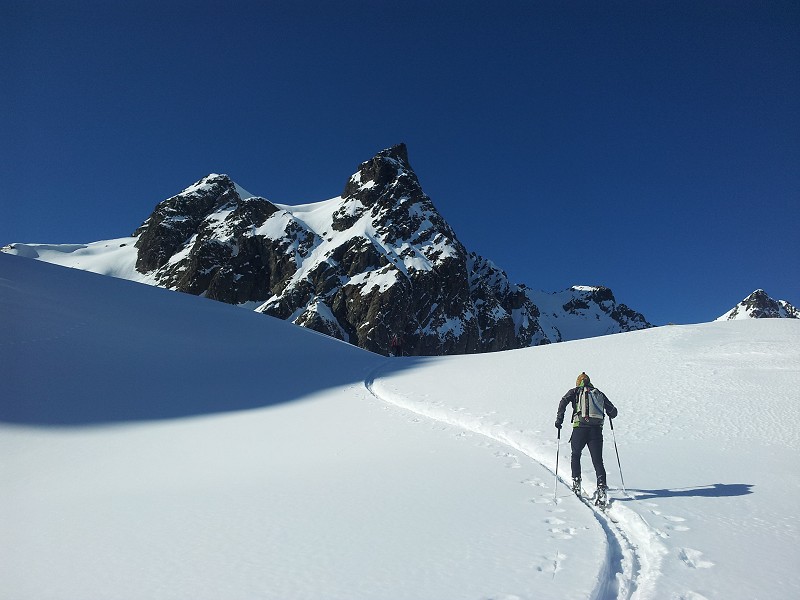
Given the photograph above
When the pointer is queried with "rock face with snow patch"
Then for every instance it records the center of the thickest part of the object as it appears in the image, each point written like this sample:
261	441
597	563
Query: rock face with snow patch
205	240
377	267
584	311
375	264
759	305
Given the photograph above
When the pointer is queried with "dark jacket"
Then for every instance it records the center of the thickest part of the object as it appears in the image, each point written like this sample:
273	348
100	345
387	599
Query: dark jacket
571	397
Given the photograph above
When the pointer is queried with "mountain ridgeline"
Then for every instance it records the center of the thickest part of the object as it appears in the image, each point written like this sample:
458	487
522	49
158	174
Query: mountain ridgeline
377	267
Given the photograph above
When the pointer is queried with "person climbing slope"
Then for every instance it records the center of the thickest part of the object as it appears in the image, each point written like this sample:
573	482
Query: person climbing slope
589	407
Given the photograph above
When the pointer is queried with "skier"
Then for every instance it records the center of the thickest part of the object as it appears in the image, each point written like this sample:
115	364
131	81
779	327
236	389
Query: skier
589	407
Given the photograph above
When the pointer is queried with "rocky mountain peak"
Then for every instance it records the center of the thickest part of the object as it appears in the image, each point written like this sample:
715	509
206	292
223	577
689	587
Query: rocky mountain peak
759	305
378	267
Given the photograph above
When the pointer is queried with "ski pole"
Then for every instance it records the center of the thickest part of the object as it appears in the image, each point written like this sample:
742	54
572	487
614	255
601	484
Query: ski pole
611	421
558	448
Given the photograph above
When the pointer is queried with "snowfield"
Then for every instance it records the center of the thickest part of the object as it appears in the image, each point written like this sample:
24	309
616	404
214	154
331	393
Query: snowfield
160	445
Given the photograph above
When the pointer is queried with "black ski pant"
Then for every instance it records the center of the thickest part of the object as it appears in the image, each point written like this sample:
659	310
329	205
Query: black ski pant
592	437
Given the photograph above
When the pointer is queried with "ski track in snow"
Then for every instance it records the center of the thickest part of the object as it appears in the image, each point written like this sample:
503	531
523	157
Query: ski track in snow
633	552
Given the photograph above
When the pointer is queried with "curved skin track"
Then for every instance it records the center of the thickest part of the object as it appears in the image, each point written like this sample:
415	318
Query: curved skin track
633	552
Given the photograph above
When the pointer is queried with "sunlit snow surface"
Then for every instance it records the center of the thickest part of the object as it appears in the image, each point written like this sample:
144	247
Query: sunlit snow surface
159	445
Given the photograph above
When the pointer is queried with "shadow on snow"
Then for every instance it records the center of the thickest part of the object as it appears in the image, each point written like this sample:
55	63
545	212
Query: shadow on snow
717	490
84	349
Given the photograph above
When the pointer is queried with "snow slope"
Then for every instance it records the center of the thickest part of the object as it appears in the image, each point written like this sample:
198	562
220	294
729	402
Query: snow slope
193	450
116	257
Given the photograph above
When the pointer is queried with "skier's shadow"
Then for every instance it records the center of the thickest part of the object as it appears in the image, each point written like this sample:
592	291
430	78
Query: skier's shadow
717	490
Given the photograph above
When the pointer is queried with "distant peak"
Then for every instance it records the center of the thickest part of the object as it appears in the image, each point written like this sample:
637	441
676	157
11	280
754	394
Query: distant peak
759	305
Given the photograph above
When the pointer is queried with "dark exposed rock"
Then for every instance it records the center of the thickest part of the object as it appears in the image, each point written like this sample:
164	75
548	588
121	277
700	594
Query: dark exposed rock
215	248
386	265
497	301
176	219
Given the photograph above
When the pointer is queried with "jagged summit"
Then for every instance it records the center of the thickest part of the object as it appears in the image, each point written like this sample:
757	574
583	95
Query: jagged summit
388	167
377	266
398	153
759	305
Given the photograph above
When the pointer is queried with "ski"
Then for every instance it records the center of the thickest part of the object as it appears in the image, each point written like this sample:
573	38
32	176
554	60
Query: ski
590	501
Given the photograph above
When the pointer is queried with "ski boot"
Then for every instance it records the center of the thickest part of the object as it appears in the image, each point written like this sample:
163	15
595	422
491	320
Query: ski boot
576	486
601	496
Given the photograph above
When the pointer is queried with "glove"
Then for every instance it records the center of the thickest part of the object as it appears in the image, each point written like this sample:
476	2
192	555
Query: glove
558	424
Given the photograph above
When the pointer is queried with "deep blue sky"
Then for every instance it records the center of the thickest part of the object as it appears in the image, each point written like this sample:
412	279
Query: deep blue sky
650	147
